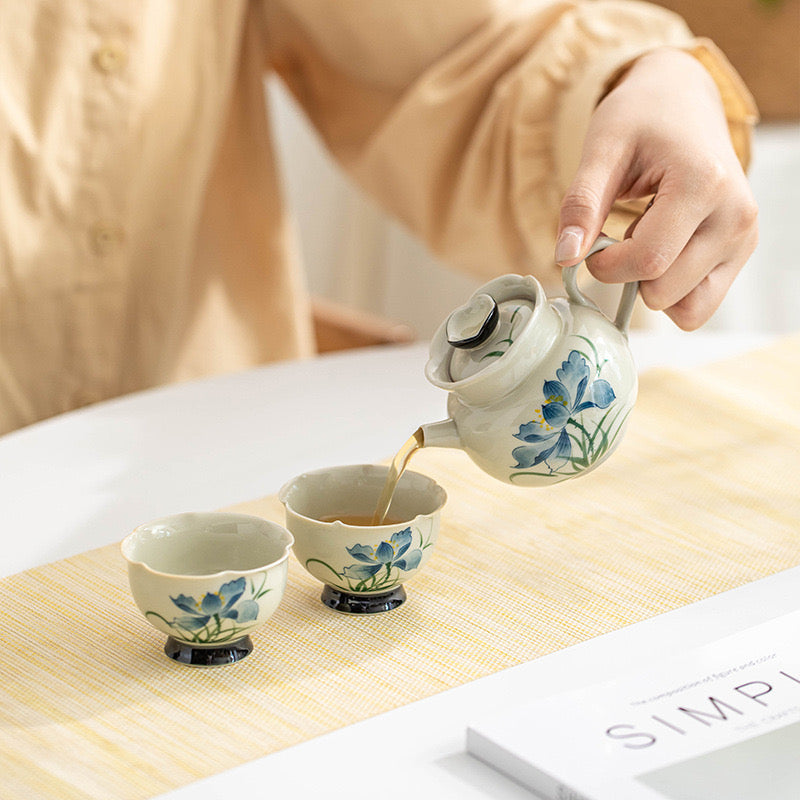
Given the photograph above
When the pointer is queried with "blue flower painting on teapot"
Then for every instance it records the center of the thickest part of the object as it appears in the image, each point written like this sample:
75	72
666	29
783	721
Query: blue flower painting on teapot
566	437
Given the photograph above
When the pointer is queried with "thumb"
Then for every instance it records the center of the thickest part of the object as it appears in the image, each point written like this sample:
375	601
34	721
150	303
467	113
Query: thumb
585	208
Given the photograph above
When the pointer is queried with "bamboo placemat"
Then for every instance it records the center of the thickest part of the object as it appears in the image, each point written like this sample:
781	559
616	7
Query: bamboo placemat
701	497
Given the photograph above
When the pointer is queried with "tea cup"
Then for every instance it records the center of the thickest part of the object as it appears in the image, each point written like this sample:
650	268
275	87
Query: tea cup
363	566
207	580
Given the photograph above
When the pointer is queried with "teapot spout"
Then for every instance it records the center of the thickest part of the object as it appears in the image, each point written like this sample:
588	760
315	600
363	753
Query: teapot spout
441	434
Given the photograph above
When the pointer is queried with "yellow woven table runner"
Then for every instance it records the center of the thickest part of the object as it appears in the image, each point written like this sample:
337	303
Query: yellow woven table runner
701	497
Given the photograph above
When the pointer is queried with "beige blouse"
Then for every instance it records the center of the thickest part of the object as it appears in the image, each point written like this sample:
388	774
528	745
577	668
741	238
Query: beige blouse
143	236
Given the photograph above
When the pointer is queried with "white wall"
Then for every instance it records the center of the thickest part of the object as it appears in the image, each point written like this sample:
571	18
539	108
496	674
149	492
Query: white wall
357	256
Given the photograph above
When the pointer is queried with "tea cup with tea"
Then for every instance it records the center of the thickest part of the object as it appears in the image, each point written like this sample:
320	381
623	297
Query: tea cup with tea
363	563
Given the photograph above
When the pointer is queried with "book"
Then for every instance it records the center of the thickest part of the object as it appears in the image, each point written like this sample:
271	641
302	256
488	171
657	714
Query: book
719	722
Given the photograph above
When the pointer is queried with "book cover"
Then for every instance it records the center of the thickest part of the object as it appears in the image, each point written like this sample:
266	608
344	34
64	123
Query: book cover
720	722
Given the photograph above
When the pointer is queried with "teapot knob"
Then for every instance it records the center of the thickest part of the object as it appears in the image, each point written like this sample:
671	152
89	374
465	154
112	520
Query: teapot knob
473	323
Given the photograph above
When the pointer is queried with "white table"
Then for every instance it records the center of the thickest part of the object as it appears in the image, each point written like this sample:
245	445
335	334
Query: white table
84	479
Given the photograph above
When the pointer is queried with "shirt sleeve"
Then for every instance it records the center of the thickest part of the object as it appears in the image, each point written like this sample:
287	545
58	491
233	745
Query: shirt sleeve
465	118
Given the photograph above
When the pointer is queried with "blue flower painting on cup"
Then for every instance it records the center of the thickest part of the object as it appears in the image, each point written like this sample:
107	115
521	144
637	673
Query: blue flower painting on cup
220	616
379	567
393	553
565	436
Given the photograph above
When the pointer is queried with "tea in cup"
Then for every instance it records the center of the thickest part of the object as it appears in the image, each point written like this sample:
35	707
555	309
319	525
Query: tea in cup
362	565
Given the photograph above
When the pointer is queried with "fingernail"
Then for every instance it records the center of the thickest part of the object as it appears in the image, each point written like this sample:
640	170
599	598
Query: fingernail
568	246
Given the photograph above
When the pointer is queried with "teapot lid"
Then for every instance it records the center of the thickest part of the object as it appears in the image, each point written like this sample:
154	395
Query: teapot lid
483	330
494	339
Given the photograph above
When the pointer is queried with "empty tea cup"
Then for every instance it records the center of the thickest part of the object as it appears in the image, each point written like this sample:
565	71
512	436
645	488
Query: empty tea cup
207	580
363	566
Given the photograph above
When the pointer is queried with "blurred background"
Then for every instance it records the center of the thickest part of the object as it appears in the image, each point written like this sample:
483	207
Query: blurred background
362	261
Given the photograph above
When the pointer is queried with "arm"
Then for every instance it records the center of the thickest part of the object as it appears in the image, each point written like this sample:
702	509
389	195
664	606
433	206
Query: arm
464	118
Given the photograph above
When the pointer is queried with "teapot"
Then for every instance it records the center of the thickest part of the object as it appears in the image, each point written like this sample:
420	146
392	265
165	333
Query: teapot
539	390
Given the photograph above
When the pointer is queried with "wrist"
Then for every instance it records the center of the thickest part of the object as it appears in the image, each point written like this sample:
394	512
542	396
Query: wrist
664	65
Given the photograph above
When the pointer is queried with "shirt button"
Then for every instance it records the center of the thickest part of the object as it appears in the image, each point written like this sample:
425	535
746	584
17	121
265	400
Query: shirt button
105	238
110	57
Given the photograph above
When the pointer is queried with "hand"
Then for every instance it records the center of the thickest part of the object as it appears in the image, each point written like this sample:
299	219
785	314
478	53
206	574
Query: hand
661	130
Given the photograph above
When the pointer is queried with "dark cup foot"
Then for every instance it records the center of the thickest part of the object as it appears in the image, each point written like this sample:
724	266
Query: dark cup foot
349	603
215	656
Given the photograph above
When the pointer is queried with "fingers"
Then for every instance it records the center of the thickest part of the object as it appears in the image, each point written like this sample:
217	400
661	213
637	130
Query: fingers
658	238
694	288
697	260
684	257
696	308
586	205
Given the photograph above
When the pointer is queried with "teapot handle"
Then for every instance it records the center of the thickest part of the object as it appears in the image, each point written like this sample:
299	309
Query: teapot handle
629	292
